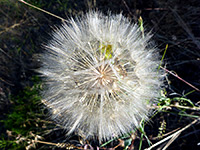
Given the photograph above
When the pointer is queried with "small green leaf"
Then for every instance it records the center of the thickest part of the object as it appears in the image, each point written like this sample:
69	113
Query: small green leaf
127	143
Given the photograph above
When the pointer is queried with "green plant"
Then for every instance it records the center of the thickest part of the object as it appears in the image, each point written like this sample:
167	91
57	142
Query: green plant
23	122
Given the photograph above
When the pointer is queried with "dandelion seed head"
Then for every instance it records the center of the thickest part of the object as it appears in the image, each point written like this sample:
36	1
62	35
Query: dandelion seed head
101	75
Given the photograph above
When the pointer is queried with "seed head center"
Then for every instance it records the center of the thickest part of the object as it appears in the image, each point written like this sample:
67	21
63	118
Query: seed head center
104	77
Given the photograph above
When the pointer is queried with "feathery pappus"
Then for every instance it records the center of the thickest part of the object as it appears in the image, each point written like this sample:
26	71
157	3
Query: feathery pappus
101	75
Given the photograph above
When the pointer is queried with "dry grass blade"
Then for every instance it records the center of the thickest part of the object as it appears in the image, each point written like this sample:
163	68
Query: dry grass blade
173	136
12	27
62	19
185	27
60	145
171	140
177	106
5	53
181	79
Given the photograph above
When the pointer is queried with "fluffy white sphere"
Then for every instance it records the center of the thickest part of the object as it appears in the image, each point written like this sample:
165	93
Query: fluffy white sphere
101	75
